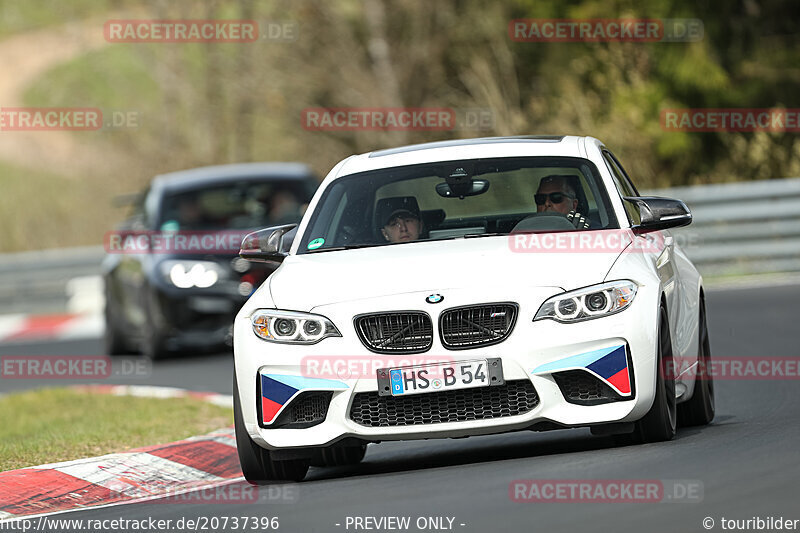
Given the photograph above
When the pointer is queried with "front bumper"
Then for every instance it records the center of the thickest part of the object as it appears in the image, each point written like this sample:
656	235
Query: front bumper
535	351
194	317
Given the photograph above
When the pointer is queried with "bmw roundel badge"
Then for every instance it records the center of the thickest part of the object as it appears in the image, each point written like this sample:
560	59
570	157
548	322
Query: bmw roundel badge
434	298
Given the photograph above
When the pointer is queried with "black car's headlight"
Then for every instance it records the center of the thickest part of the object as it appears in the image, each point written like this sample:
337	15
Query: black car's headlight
589	302
187	274
292	327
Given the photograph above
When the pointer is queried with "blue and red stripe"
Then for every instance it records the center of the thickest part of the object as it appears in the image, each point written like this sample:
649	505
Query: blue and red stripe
274	395
609	364
277	390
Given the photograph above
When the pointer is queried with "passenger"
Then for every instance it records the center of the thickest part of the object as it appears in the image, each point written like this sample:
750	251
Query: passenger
402	225
284	208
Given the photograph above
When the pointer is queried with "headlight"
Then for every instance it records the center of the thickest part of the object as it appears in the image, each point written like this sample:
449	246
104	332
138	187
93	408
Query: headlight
188	274
590	302
292	327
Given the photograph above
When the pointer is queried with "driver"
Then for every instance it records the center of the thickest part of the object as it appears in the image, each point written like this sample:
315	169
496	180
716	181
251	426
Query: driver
556	194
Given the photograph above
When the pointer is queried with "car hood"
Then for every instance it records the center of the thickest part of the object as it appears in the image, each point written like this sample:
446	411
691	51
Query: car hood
310	280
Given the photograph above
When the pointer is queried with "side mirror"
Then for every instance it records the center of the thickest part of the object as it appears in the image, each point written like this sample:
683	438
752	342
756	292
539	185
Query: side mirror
660	213
269	245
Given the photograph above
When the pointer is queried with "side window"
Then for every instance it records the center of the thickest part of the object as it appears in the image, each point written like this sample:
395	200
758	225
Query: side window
624	186
626	180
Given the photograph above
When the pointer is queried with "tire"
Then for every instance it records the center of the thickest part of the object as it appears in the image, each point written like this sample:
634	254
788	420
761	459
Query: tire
114	343
257	467
699	409
339	455
659	424
153	342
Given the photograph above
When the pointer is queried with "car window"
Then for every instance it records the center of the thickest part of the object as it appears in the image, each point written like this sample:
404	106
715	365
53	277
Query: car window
349	211
624	187
239	205
626	179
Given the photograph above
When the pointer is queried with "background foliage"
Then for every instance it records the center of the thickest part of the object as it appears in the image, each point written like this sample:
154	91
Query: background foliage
216	103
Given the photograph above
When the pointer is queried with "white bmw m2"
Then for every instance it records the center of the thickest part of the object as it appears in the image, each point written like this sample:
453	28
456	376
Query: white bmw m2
465	288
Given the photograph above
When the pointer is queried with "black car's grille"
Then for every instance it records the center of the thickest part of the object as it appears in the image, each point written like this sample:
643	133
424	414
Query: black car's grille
308	409
396	332
580	387
513	398
478	325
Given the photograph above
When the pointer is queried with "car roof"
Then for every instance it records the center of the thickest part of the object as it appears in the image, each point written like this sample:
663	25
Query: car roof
467	142
486	147
220	174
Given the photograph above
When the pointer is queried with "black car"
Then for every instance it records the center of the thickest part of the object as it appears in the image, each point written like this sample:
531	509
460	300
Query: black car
173	279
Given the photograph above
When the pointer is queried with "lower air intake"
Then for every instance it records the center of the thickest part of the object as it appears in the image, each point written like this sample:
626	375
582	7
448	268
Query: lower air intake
515	397
582	388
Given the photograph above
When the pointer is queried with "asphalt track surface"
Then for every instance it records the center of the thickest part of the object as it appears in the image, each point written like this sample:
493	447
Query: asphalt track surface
747	461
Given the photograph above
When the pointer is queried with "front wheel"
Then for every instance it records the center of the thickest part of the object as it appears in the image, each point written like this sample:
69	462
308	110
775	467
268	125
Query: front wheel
699	409
660	422
114	342
257	466
153	344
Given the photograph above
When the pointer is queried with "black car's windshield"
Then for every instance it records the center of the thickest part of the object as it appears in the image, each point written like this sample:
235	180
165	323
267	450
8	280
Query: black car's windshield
467	198
237	205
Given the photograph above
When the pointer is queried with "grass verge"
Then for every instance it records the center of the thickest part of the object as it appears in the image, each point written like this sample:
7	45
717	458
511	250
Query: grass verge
51	425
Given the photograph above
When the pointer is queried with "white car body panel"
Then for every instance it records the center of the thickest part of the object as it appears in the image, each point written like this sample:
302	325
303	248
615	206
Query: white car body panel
434	266
342	284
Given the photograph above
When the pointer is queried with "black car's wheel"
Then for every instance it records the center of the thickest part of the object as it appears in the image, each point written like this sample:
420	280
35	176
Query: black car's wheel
339	455
660	422
699	409
113	341
153	343
257	466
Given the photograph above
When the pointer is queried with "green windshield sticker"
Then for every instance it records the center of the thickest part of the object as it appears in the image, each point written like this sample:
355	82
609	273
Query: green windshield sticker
316	243
170	225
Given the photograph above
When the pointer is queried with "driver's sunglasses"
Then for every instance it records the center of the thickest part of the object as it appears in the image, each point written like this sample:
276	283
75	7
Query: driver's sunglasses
555	197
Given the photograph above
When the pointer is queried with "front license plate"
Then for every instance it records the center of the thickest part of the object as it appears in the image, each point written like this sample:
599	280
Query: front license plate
439	377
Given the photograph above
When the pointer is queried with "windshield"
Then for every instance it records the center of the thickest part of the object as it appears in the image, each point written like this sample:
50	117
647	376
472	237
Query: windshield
446	200
238	205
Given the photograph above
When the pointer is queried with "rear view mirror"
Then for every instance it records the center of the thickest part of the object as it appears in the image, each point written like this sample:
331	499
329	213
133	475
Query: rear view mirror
660	213
269	245
460	190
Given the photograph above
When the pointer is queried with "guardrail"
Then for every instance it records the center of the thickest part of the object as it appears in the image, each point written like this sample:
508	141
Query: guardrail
43	281
738	228
741	228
